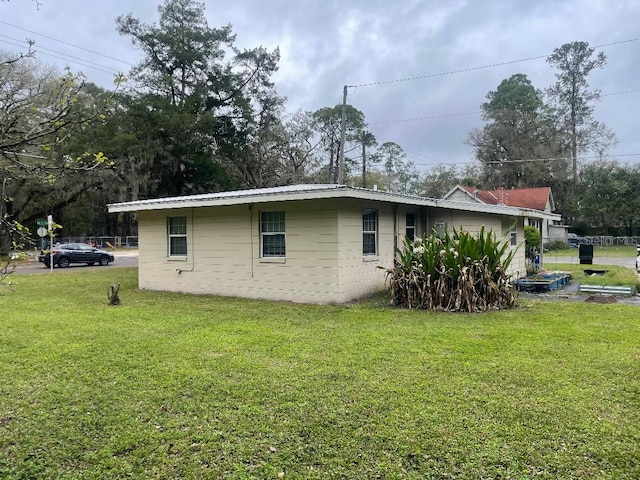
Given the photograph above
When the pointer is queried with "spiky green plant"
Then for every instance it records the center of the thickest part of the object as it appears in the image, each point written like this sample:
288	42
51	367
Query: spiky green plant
458	272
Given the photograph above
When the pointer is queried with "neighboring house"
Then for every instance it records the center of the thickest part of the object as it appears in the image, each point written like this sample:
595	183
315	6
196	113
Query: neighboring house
304	243
549	225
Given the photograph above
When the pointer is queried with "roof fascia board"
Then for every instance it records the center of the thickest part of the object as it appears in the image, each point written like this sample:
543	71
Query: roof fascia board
344	192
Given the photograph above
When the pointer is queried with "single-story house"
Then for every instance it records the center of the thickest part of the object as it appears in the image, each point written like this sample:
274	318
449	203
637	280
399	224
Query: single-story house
303	243
540	198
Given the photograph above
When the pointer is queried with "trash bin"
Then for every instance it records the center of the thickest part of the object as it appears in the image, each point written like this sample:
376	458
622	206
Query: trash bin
586	254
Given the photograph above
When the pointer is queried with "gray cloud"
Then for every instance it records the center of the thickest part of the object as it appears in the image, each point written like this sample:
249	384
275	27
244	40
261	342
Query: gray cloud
327	44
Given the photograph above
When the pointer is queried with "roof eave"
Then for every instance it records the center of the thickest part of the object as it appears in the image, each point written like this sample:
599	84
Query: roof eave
247	198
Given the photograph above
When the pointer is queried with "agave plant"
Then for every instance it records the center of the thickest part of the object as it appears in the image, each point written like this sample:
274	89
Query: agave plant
458	272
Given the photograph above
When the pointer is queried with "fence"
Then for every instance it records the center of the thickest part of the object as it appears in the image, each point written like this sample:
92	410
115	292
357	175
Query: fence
100	242
608	241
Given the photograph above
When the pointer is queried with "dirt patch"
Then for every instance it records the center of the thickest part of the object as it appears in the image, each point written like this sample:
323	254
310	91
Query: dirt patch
601	299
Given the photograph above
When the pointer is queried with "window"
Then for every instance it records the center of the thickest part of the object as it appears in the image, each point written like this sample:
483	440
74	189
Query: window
514	236
177	227
370	232
410	226
272	239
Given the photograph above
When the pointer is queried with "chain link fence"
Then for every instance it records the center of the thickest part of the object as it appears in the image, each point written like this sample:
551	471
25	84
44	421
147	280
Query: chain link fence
607	240
100	242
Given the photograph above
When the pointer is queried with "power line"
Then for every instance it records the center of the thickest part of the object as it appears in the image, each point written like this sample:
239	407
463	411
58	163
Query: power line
620	93
433	117
532	160
483	67
478	112
66	43
419	158
11	43
62	56
65	59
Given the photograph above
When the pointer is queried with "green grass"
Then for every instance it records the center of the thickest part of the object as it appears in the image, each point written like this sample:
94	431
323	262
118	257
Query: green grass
181	386
615	276
598	251
616	251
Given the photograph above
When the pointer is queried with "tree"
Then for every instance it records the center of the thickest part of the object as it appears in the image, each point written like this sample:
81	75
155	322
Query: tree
520	131
301	146
522	144
608	197
366	140
401	174
327	122
258	163
442	178
203	109
40	112
573	100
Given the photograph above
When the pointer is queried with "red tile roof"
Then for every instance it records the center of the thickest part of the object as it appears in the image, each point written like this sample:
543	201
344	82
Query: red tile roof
534	198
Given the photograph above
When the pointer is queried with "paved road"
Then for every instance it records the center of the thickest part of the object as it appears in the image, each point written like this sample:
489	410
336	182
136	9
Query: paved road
123	259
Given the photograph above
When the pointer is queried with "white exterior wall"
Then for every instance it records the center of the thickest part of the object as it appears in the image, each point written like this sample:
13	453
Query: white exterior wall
460	196
324	262
473	222
224	253
360	274
558	232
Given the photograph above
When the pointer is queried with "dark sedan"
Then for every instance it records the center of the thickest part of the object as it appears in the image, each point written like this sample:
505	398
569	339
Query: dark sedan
64	254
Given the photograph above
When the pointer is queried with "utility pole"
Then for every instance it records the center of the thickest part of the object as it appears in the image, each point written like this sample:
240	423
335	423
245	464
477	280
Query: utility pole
343	128
364	160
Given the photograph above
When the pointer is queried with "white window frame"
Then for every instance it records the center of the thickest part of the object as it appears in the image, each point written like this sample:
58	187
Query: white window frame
513	233
408	227
264	235
172	234
366	224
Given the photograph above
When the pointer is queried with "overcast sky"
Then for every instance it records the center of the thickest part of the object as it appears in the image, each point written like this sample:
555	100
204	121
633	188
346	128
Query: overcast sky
325	44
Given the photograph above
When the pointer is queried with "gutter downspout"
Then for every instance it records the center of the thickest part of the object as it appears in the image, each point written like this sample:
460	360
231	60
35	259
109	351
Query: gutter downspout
395	229
193	248
541	246
251	237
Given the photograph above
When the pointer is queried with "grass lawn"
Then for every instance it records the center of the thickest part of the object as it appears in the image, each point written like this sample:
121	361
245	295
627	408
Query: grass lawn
615	276
598	251
181	386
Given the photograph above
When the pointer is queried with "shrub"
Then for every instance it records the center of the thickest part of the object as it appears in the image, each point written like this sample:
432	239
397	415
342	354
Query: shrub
557	245
531	237
458	272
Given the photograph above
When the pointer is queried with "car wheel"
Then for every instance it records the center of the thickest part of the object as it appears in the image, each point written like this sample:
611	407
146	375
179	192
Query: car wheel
104	260
63	262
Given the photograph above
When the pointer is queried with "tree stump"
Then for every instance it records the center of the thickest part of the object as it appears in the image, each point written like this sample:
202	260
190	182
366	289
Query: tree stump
112	294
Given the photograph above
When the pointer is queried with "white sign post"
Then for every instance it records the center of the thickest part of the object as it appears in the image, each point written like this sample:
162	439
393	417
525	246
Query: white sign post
50	226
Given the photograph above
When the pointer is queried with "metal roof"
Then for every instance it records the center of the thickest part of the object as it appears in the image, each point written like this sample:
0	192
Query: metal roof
312	192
